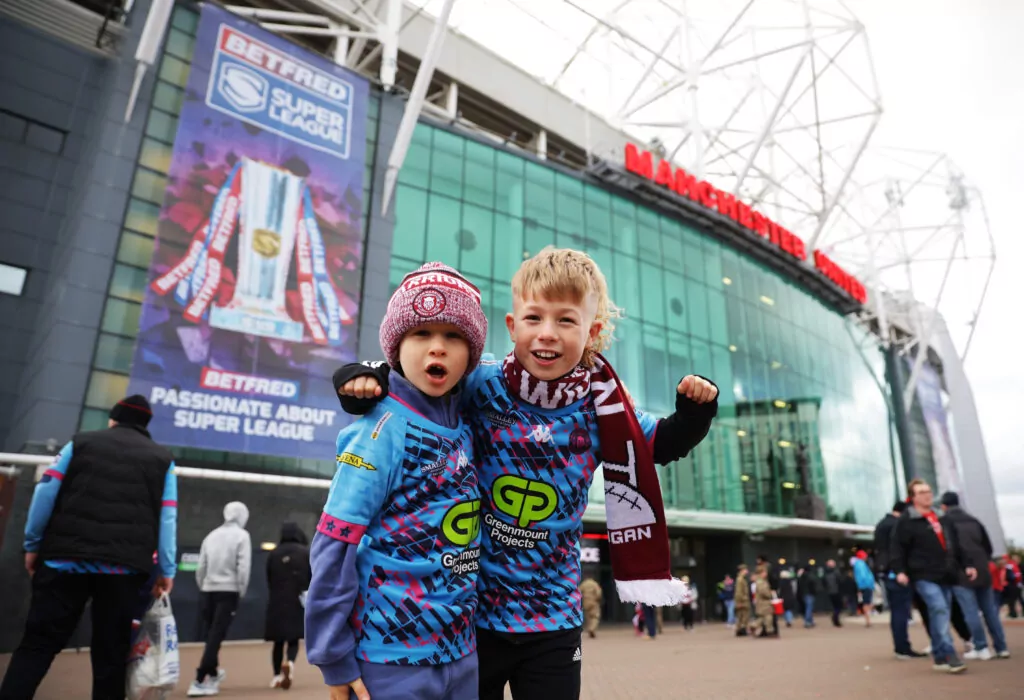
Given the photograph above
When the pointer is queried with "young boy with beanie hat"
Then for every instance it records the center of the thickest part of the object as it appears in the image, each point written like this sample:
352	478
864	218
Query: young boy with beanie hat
391	606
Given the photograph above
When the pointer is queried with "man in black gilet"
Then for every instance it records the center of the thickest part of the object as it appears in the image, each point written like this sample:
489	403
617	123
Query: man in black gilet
102	508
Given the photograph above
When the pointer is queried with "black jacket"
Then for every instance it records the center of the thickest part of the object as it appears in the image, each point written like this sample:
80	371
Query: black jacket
831	581
787	591
975	547
917	552
808	583
676	435
288	575
108	506
883	543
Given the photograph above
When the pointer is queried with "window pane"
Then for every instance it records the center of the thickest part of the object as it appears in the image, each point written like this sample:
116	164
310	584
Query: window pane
671	244
540	194
626	283
508	246
180	44
161	126
446	164
128	283
121	317
597	217
149	186
12	279
677	316
657	382
155	155
135	249
648	235
106	389
185	19
508	184
443	222
142	217
712	251
475	240
693	258
416	168
479	174
569	203
536	237
168	97
718	317
174	71
653	293
697	307
94	419
410	222
624	228
114	353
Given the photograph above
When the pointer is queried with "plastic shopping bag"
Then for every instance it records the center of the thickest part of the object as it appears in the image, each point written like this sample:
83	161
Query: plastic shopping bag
153	665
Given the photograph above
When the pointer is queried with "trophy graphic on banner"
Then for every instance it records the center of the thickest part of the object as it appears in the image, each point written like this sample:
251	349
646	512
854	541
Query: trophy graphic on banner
273	212
268	226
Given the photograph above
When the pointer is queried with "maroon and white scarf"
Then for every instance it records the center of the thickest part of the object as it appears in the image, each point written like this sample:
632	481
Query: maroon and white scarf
635	514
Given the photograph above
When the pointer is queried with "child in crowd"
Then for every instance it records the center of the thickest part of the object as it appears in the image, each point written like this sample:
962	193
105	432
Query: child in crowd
544	419
391	607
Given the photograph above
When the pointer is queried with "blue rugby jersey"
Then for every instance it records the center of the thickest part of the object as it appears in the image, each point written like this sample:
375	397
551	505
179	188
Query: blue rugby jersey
536	466
405	499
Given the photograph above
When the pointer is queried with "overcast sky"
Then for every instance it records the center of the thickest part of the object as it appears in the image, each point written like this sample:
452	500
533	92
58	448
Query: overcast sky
949	72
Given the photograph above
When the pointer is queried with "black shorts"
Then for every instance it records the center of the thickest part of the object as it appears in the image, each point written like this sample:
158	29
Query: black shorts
537	666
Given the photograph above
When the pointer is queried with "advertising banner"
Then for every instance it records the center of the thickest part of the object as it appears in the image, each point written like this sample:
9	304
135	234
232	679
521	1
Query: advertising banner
929	395
254	282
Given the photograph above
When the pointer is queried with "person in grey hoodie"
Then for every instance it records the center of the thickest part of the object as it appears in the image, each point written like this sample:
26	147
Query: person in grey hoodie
225	561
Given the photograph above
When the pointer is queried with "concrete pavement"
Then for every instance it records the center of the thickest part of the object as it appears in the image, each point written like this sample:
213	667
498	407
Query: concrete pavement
852	662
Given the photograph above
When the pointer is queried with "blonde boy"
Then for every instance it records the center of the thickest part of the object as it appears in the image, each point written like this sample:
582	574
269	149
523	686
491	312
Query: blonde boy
544	419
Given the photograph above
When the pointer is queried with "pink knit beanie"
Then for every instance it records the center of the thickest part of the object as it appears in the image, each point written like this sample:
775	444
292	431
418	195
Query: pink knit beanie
435	293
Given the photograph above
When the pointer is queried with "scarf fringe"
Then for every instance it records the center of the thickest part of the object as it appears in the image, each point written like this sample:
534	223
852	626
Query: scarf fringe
658	592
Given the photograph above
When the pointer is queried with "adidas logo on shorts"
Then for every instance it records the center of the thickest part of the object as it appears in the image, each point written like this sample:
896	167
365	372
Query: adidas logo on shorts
578	656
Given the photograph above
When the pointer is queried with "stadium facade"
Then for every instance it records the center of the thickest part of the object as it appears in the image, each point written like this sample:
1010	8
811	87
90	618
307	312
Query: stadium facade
803	459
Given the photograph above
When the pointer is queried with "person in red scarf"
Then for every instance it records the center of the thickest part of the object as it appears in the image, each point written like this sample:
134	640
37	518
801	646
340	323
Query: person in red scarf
925	555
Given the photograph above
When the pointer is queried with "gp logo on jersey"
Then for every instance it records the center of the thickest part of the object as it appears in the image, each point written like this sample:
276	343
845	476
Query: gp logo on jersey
461	524
526	500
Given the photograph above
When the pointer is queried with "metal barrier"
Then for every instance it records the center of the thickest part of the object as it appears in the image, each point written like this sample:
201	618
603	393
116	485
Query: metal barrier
10	461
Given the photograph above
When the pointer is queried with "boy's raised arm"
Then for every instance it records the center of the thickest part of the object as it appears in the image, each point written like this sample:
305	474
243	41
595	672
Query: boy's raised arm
683	430
360	385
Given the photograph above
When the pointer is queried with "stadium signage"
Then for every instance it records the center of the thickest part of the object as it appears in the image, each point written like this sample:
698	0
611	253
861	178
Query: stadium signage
682	184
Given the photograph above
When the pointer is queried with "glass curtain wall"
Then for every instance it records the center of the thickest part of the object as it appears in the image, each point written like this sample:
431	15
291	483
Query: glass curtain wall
120	324
800	411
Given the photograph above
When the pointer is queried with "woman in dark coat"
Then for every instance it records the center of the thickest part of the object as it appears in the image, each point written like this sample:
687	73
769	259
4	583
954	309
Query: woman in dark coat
288	576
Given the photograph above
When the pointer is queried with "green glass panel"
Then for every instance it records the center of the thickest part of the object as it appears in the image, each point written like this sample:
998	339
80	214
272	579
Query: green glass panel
114	353
416	168
410	222
648	236
444	219
498	341
625	283
161	126
479	174
121	317
624	231
446	164
657	397
135	249
155	155
537	237
568	203
652	293
105	389
476	239
149	186
718	317
508	184
142	217
732	274
186	19
697	308
180	44
597	216
174	70
676	313
168	97
540	195
94	419
128	283
508	246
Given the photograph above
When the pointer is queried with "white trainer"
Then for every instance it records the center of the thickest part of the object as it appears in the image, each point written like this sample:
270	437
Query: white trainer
275	682
288	673
206	688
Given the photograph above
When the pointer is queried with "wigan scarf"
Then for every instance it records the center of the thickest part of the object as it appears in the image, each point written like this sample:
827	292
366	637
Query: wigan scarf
635	514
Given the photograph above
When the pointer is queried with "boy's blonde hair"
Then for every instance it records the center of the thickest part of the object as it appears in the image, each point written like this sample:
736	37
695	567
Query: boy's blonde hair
564	273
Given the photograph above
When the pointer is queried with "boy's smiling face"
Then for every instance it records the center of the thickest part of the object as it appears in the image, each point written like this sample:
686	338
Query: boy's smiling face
434	357
550	335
